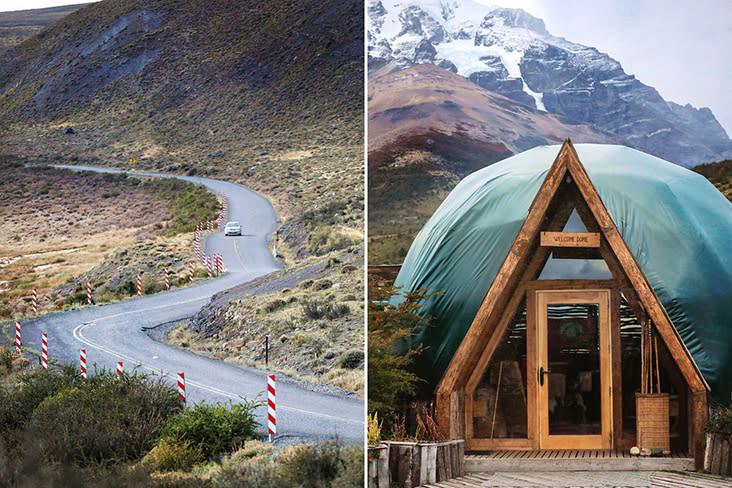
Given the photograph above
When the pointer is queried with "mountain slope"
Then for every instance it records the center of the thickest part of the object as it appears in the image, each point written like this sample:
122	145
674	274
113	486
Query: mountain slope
267	94
510	52
428	128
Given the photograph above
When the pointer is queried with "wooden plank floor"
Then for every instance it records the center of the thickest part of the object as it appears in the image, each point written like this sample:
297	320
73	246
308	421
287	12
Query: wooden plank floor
562	454
506	461
622	479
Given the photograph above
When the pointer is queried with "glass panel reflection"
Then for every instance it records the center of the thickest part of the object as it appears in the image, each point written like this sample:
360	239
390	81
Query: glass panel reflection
573	346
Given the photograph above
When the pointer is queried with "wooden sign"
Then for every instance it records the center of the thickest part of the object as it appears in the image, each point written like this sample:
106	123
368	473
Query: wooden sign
570	239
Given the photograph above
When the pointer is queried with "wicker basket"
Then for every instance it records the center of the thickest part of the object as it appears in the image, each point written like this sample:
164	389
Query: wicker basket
652	421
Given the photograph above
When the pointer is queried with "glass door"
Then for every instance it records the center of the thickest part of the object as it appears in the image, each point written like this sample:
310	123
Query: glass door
574	369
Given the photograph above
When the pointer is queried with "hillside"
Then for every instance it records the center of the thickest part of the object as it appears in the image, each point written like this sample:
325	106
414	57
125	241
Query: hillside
269	95
19	25
428	128
719	174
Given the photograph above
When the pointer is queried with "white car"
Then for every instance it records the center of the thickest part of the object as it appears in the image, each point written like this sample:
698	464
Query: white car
232	229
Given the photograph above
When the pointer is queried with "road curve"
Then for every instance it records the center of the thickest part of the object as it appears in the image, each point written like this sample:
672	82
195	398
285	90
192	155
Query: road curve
113	332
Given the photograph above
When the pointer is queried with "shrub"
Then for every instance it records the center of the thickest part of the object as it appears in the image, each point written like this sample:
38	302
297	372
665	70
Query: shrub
317	309
6	357
150	285
214	428
275	305
351	359
318	466
105	419
373	428
720	422
170	456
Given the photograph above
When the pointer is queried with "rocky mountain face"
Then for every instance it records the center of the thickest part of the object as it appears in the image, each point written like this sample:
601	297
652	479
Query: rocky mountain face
510	52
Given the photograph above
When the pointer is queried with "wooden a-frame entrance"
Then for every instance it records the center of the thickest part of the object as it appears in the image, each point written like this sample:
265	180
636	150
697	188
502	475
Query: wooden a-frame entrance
567	187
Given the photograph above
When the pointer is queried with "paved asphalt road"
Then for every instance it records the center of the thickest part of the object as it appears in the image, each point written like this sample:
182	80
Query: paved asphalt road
113	332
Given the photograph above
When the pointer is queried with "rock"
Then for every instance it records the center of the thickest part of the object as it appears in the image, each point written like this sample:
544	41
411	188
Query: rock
69	130
634	451
262	153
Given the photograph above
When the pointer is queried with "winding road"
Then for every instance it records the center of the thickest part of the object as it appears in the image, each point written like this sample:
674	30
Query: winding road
113	332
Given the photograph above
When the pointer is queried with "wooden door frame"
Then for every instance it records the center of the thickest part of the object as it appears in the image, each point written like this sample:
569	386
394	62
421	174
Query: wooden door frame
602	296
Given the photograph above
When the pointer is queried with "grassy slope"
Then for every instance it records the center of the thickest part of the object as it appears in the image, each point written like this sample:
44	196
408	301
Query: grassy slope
265	94
719	174
62	229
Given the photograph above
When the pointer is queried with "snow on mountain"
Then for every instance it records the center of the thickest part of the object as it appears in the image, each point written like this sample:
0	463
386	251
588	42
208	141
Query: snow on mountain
510	52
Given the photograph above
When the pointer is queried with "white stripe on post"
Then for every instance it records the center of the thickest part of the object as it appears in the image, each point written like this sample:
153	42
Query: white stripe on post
44	351
17	336
35	300
167	280
208	263
88	292
139	285
82	363
120	368
190	271
271	407
182	389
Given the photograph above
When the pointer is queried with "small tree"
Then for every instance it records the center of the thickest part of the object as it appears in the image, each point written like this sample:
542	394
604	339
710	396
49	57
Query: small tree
391	383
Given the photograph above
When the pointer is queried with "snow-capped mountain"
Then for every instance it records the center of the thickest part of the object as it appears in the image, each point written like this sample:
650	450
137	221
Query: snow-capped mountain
510	52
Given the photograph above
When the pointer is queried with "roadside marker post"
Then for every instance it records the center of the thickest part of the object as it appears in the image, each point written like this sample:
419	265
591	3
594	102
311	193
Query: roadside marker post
271	407
88	293
190	271
182	390
82	363
266	351
17	336
120	368
44	351
35	300
167	280
139	285
208	262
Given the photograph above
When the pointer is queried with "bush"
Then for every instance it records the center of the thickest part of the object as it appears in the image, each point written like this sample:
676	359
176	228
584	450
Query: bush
351	359
105	419
317	309
319	466
168	456
720	422
150	285
275	305
215	429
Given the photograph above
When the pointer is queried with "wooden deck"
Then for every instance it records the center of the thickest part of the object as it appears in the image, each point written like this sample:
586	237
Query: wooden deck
625	479
573	460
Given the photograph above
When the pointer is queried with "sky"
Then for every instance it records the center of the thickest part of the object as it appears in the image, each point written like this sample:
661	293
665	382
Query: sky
681	48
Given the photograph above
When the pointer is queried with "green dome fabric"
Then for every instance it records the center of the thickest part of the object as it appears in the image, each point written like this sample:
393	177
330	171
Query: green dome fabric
678	226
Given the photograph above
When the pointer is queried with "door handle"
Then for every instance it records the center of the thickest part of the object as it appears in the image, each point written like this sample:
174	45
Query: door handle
542	372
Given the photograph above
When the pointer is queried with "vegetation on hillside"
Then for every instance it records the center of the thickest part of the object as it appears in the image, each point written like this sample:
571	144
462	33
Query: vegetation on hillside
64	228
719	174
393	381
58	430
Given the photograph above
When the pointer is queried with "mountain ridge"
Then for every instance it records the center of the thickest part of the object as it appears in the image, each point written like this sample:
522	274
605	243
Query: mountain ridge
509	52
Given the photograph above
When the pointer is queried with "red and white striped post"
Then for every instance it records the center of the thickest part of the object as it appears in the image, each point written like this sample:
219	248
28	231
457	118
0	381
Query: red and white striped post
190	271
17	336
271	407
182	389
220	263
88	292
44	351
35	300
120	368
139	285
82	363
167	280
208	263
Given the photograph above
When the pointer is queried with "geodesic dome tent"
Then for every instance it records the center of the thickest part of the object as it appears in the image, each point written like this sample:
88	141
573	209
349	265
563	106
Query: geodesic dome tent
673	226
